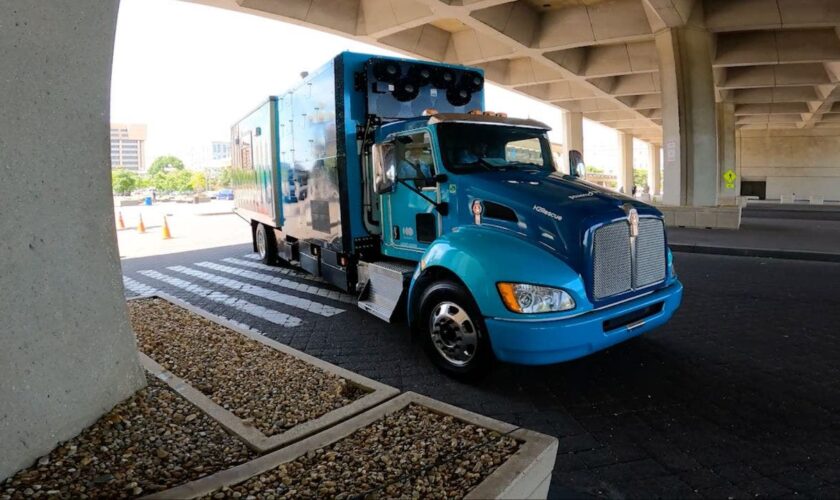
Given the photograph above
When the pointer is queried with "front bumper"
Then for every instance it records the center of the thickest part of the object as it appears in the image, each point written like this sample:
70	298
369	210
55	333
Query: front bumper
530	342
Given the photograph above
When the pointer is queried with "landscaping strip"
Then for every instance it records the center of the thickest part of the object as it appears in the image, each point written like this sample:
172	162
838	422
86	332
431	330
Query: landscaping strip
410	446
268	394
150	442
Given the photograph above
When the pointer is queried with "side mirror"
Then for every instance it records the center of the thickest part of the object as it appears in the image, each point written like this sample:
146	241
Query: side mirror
576	166
441	178
384	167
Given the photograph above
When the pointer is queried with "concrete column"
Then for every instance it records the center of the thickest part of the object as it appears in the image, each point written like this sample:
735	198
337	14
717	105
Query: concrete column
655	169
573	123
625	155
688	116
574	130
726	154
68	354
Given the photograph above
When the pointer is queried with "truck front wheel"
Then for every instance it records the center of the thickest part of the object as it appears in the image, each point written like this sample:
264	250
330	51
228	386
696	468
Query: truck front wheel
266	244
453	331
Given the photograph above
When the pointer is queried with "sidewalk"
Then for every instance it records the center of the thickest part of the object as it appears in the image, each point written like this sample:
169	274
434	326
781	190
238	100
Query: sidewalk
192	227
791	234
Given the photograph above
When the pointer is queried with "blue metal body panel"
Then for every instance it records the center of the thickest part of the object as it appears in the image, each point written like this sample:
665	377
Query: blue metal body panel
545	342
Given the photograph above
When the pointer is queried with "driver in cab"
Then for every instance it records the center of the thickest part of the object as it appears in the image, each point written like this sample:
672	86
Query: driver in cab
415	167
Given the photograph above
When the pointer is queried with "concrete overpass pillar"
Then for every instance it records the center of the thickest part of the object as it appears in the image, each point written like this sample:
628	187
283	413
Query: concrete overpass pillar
574	131
68	354
728	190
655	169
625	154
688	116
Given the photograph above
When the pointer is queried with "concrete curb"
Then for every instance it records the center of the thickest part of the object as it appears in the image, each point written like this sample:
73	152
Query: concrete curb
256	440
756	252
526	474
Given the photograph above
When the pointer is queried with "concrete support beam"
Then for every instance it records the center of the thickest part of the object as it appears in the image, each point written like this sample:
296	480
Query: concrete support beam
625	155
726	153
68	354
688	115
574	130
655	169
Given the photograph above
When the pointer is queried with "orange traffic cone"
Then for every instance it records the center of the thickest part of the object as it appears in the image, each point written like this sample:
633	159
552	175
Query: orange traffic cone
121	222
166	234
141	228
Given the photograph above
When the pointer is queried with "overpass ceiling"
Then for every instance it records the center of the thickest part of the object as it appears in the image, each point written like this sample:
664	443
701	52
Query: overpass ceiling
778	61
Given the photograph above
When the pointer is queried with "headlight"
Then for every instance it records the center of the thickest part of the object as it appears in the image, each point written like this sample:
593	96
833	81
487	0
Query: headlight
527	299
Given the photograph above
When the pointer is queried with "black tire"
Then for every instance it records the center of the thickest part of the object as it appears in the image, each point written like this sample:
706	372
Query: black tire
445	338
266	244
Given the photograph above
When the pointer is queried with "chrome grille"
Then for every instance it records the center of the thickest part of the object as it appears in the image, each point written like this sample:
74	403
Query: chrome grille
650	253
614	271
611	260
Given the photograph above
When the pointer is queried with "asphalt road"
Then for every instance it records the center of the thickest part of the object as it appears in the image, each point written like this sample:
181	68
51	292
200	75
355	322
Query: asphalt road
738	396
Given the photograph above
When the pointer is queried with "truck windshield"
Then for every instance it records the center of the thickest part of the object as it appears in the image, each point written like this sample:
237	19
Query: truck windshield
472	147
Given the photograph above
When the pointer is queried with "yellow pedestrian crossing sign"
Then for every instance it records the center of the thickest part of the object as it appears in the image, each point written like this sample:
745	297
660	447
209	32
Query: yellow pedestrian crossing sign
729	177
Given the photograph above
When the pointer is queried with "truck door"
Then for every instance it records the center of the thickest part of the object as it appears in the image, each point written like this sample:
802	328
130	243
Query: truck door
410	221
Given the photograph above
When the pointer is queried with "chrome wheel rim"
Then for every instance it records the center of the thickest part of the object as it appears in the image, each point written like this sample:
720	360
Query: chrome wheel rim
261	241
454	333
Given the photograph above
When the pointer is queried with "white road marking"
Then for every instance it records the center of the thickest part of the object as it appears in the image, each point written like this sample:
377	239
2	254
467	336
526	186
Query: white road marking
136	287
265	293
275	280
275	269
276	317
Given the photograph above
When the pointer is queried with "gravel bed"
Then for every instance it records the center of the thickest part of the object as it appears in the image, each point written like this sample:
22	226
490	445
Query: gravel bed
268	389
411	453
152	441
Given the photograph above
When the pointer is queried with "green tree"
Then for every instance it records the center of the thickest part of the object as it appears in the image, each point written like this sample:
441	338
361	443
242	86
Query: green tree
225	177
165	164
180	180
640	178
591	169
198	181
123	181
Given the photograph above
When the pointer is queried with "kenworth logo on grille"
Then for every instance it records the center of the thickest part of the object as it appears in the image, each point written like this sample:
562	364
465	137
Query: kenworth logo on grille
547	213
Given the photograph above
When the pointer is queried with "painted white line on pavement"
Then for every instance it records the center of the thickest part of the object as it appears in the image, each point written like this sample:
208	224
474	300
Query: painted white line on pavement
265	293
276	317
136	287
275	269
275	280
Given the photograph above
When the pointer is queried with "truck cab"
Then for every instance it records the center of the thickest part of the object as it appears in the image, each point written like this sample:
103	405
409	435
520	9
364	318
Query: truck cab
456	220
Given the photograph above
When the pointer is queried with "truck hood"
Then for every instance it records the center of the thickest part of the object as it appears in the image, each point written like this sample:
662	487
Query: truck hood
551	208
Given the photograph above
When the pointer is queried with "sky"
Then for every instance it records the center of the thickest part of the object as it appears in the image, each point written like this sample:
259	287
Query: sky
189	72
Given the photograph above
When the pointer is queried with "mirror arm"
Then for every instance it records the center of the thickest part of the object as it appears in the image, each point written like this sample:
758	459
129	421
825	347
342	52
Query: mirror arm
441	207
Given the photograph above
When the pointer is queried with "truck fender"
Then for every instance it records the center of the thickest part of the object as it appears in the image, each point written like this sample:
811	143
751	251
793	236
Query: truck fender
482	256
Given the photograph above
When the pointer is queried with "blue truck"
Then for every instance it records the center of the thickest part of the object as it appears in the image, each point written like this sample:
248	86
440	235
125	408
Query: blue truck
387	178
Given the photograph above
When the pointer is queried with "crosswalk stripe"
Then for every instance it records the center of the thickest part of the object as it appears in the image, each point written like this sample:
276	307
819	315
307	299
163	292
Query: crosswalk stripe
275	280
136	287
252	256
282	270
265	293
276	317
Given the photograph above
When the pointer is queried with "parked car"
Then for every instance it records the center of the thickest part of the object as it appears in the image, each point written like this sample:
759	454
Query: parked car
225	194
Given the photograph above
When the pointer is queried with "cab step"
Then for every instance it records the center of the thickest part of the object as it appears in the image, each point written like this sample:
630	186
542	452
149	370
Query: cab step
384	284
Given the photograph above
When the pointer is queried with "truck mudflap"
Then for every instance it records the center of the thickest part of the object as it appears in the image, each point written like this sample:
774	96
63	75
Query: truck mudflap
530	341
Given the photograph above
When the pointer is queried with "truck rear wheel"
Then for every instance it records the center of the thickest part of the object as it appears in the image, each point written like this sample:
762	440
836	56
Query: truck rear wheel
266	244
453	331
